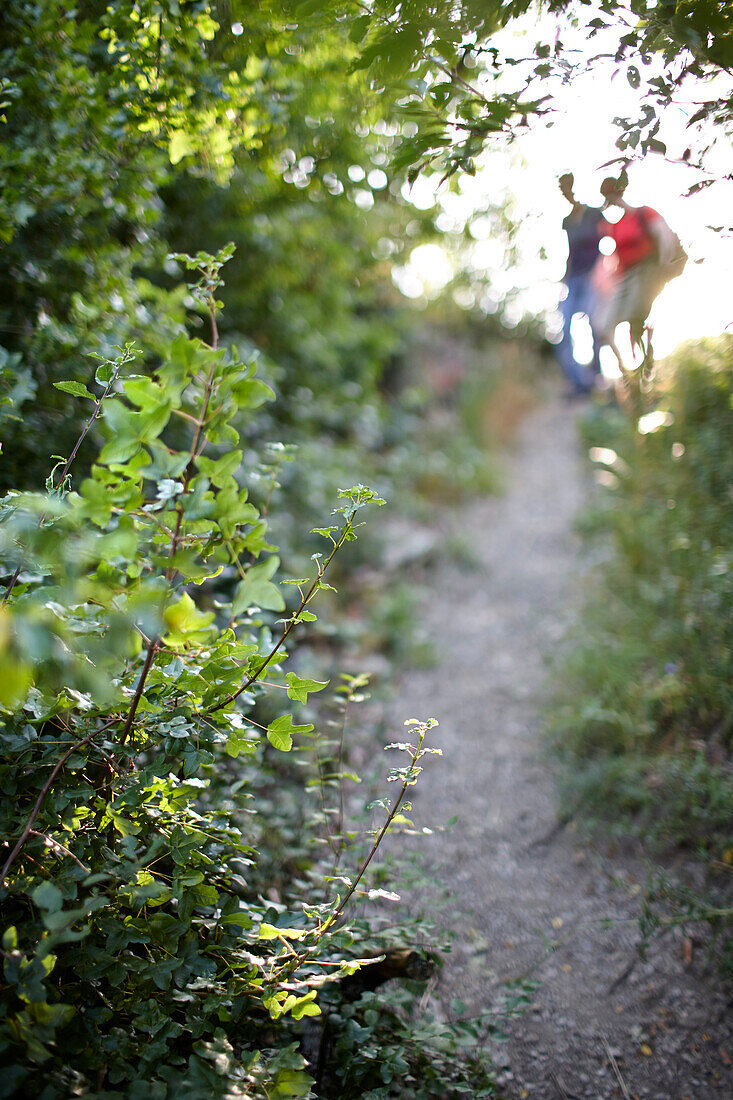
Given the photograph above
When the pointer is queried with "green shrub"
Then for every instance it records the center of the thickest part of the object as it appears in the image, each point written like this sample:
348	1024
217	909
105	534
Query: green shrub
171	906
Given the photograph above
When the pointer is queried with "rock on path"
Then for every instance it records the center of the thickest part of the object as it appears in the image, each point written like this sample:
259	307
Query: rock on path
531	896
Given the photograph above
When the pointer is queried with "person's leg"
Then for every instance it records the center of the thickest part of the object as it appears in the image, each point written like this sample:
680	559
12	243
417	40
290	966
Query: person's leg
605	320
643	287
574	372
589	305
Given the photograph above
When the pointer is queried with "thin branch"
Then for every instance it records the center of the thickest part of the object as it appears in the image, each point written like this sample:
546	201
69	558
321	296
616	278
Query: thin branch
175	541
149	658
410	777
295	618
59	848
408	781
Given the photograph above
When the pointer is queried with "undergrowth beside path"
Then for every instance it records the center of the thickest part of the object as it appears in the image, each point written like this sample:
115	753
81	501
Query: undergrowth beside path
643	714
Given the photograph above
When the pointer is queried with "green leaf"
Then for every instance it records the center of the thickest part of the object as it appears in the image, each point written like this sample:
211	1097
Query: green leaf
97	504
256	590
179	146
291	1083
123	825
359	28
15	679
238	743
279	732
103	373
145	393
221	469
10	938
51	1016
305	1006
251	393
76	389
269	932
240	919
299	689
48	897
186	624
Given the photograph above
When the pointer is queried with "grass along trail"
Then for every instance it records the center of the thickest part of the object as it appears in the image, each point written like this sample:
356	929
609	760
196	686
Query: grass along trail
528	894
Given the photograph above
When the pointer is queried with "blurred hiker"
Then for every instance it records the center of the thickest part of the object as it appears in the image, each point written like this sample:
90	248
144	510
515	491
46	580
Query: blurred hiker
647	254
583	228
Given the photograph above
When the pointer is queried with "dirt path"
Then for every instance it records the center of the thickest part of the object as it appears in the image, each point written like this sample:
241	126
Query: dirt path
530	894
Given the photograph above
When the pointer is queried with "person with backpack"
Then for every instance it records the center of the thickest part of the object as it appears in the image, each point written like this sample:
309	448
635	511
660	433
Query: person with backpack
583	228
648	253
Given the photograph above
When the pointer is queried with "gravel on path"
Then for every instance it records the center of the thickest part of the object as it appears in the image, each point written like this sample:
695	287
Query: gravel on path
534	896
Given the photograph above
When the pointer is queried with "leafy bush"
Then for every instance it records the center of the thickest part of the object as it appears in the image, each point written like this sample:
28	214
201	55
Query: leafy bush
163	932
383	1047
131	941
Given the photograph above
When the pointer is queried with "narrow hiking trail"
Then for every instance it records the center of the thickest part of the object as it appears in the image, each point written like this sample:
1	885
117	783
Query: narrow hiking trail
528	895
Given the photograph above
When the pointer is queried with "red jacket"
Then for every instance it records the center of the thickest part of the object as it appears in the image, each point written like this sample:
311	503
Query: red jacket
634	242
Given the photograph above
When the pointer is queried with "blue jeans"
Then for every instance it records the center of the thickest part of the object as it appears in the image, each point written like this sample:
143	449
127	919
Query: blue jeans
581	298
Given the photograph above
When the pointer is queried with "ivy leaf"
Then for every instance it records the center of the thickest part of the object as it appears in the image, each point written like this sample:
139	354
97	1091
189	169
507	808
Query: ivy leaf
279	732
124	825
97	501
186	624
299	689
219	470
237	742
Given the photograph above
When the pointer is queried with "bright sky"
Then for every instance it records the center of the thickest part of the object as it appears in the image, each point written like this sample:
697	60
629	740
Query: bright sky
581	139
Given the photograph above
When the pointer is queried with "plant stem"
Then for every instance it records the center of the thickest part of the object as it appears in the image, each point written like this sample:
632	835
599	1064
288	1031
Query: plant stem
408	781
291	623
154	645
149	658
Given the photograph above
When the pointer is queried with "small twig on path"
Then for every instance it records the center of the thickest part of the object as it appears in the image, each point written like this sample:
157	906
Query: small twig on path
550	835
620	978
616	1070
561	1088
